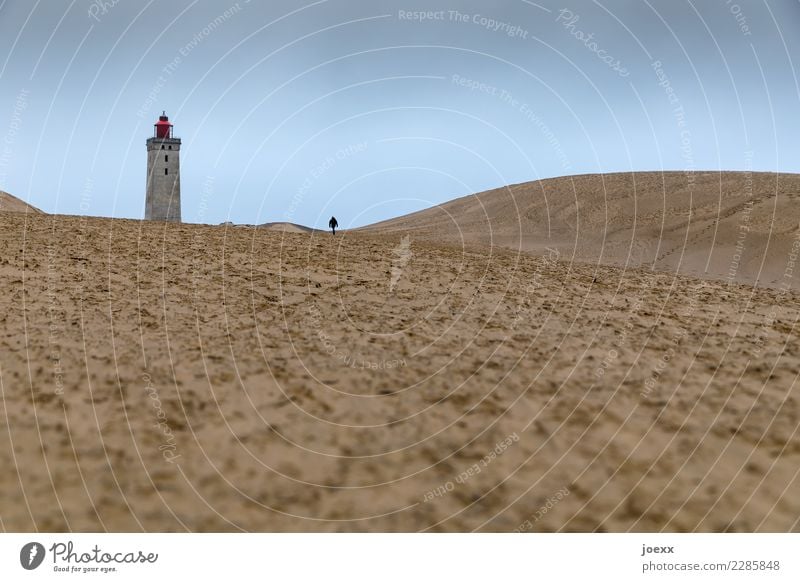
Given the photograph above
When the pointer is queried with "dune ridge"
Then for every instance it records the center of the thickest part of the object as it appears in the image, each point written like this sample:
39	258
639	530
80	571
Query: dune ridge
288	227
9	203
735	226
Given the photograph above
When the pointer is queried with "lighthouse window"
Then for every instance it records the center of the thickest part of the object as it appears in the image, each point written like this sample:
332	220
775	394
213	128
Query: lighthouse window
166	158
166	171
162	147
170	147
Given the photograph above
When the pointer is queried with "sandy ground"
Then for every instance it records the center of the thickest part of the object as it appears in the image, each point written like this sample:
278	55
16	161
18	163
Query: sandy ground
178	377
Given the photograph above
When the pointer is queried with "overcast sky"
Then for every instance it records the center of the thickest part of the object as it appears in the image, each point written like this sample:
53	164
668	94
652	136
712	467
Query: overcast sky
293	110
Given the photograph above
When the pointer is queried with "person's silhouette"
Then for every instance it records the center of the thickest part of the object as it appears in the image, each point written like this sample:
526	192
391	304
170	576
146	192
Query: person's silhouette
332	224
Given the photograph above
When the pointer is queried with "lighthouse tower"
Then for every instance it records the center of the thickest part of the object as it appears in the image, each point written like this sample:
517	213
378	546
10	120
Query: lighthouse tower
163	201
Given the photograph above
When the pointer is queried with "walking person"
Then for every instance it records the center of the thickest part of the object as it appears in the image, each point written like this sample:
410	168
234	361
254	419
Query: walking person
332	224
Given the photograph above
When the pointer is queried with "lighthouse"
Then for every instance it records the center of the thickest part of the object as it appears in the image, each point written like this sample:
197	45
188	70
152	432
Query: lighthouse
163	199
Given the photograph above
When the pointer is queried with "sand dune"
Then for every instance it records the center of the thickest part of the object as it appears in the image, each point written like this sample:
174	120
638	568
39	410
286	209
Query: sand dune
288	227
9	203
733	226
185	377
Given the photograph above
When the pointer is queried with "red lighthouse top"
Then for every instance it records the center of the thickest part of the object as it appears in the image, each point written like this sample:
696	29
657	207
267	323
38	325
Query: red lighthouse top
163	128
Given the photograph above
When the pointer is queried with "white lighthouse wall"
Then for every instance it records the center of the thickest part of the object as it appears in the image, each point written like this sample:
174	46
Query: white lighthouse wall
163	200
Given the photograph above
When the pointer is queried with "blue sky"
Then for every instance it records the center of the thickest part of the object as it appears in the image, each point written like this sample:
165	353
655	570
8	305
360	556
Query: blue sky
369	109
